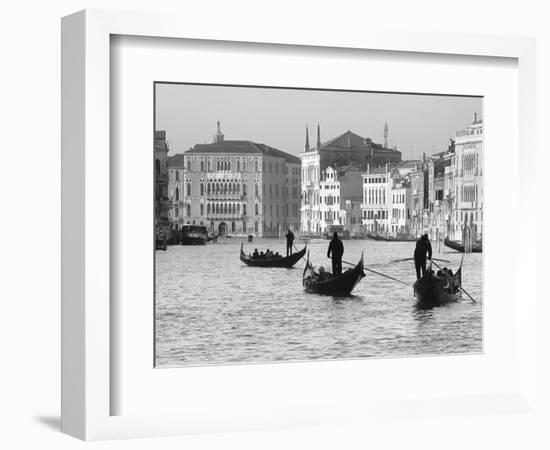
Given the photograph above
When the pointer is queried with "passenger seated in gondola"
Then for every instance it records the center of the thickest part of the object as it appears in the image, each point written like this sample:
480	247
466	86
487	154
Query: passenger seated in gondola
323	274
262	255
277	255
255	254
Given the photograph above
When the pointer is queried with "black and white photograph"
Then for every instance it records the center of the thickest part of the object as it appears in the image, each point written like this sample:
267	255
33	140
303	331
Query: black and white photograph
297	224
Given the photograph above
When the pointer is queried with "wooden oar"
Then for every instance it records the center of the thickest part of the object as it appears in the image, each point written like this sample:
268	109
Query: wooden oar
410	259
387	276
459	287
377	273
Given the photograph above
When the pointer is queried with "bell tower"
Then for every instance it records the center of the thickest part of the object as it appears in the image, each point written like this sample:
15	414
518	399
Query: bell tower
218	137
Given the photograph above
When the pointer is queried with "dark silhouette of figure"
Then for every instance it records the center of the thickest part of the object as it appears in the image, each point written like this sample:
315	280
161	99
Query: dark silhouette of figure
423	247
255	254
336	249
289	242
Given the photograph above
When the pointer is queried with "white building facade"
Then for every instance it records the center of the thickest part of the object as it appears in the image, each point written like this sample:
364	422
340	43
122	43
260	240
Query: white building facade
468	181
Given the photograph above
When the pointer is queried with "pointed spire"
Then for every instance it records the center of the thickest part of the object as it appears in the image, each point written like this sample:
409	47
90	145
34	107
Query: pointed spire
318	136
307	140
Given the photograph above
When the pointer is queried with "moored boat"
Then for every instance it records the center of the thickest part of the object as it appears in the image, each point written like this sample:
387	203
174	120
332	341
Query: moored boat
194	235
376	237
459	246
432	290
282	261
342	285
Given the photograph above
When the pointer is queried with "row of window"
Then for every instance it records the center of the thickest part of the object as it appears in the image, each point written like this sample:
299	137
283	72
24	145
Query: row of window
375	180
470	162
398	198
223	164
370	214
469	193
375	196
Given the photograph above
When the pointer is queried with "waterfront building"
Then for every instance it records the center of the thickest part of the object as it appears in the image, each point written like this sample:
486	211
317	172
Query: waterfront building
376	206
440	206
418	200
346	152
334	189
162	203
352	216
175	191
400	200
468	214
240	187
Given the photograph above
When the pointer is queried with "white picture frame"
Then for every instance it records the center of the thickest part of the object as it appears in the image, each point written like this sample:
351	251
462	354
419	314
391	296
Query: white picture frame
87	355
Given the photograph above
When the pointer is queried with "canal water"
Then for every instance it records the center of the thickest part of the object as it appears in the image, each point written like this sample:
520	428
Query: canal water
212	309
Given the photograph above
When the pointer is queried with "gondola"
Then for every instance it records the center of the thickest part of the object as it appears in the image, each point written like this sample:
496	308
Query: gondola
337	286
283	261
459	247
431	291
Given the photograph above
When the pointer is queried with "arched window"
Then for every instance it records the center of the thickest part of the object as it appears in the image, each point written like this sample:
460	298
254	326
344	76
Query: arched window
244	226
202	166
189	164
256	225
238	187
256	209
256	170
217	208
244	209
229	165
208	209
177	175
188	188
233	226
244	165
244	188
202	188
157	166
177	194
238	165
256	193
202	209
177	212
238	208
225	208
208	188
188	210
209	166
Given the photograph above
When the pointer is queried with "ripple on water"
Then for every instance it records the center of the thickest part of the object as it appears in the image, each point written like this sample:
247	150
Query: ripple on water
211	309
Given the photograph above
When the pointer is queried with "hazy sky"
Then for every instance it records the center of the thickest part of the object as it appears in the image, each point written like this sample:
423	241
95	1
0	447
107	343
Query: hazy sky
278	117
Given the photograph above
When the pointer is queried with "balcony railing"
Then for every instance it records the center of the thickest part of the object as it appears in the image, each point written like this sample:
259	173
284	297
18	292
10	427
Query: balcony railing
225	216
226	196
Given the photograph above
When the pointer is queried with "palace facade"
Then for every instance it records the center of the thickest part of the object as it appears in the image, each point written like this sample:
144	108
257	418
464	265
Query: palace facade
236	187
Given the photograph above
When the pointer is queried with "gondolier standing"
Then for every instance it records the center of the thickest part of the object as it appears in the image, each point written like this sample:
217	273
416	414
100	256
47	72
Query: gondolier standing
423	246
289	242
337	249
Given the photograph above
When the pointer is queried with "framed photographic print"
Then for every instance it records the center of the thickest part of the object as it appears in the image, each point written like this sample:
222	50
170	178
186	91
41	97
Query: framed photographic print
267	229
